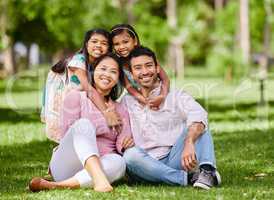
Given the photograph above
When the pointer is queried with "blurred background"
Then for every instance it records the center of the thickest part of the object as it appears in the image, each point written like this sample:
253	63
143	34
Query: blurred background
225	38
220	51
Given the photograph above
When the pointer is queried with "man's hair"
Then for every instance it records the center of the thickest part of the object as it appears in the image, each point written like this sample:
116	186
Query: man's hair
141	51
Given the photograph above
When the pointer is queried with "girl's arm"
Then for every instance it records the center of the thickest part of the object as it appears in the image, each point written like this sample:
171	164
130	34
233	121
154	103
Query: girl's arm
131	90
155	102
165	82
112	118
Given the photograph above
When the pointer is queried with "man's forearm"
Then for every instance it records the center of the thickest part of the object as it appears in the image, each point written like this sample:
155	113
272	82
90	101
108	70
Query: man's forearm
194	132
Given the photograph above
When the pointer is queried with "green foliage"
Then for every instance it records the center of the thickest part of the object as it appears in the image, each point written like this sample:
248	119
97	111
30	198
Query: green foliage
61	24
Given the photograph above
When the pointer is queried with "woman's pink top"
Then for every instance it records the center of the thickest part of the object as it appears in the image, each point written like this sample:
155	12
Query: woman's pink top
76	105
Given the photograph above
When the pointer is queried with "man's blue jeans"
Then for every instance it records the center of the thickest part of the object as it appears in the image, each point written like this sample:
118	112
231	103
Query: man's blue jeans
168	169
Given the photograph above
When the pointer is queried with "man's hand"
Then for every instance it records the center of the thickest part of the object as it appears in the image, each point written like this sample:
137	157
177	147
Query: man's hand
188	158
127	143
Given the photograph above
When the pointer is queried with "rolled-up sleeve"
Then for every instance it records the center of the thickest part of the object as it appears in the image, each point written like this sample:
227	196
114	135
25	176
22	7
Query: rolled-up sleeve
126	130
191	110
70	111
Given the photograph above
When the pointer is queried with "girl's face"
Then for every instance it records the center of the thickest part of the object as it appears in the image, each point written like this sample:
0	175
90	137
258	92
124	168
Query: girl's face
106	75
123	44
97	45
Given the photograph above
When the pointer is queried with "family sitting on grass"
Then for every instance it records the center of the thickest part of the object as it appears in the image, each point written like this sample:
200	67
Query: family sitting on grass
154	134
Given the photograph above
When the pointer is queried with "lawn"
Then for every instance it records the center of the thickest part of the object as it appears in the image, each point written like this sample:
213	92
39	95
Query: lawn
242	131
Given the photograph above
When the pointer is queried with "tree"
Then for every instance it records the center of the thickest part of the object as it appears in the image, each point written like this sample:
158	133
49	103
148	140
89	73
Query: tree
175	51
244	30
6	40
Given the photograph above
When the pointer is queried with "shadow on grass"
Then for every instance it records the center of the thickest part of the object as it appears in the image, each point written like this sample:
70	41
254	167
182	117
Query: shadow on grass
220	107
15	116
20	162
240	156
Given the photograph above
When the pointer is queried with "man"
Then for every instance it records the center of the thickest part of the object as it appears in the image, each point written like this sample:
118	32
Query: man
170	142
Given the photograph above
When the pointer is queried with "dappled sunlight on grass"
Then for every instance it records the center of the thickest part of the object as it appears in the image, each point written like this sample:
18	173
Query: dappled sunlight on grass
242	131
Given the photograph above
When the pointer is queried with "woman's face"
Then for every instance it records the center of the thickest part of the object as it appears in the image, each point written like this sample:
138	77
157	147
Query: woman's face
123	44
106	75
97	45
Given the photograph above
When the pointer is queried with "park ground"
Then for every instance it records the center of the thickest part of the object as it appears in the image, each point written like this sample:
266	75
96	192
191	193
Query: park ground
242	131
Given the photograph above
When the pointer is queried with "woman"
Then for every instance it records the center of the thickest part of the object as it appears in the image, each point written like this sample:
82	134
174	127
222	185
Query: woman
80	67
88	154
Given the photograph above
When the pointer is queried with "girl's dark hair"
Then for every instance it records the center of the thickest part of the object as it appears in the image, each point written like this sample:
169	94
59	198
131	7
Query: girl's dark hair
60	66
88	34
119	28
117	90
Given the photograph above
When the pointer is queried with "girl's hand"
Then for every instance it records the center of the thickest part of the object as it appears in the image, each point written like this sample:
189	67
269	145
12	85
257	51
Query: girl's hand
112	117
155	102
127	143
142	100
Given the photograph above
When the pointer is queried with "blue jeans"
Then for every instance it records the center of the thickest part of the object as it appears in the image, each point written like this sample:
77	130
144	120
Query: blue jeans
140	165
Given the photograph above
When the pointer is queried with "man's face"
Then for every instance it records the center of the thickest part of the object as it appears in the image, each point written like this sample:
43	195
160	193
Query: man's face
144	71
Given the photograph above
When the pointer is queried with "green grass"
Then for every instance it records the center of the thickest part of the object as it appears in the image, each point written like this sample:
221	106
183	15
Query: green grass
242	132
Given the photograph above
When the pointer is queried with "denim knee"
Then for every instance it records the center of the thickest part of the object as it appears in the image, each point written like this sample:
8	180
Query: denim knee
132	155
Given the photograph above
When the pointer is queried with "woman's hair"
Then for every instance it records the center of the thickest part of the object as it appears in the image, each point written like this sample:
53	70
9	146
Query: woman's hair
117	90
119	28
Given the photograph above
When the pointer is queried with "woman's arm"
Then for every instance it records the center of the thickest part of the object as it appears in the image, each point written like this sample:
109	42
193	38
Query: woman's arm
124	139
70	110
111	116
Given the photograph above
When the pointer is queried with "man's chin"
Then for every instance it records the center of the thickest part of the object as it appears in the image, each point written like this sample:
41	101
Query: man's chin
147	85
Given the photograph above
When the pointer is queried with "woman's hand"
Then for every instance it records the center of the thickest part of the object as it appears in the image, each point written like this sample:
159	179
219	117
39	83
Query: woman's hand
112	117
155	102
127	143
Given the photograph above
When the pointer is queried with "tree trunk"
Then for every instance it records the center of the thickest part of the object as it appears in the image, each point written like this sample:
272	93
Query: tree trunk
244	31
218	4
126	6
9	61
28	56
175	51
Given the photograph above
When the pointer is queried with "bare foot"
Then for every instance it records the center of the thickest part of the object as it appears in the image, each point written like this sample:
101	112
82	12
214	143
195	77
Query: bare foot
37	184
103	188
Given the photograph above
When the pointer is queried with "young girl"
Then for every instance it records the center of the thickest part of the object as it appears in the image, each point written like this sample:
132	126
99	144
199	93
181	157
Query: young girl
96	43
125	39
88	154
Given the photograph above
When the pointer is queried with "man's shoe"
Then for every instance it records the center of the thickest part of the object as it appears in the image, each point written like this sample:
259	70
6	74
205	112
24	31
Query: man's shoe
207	179
193	176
